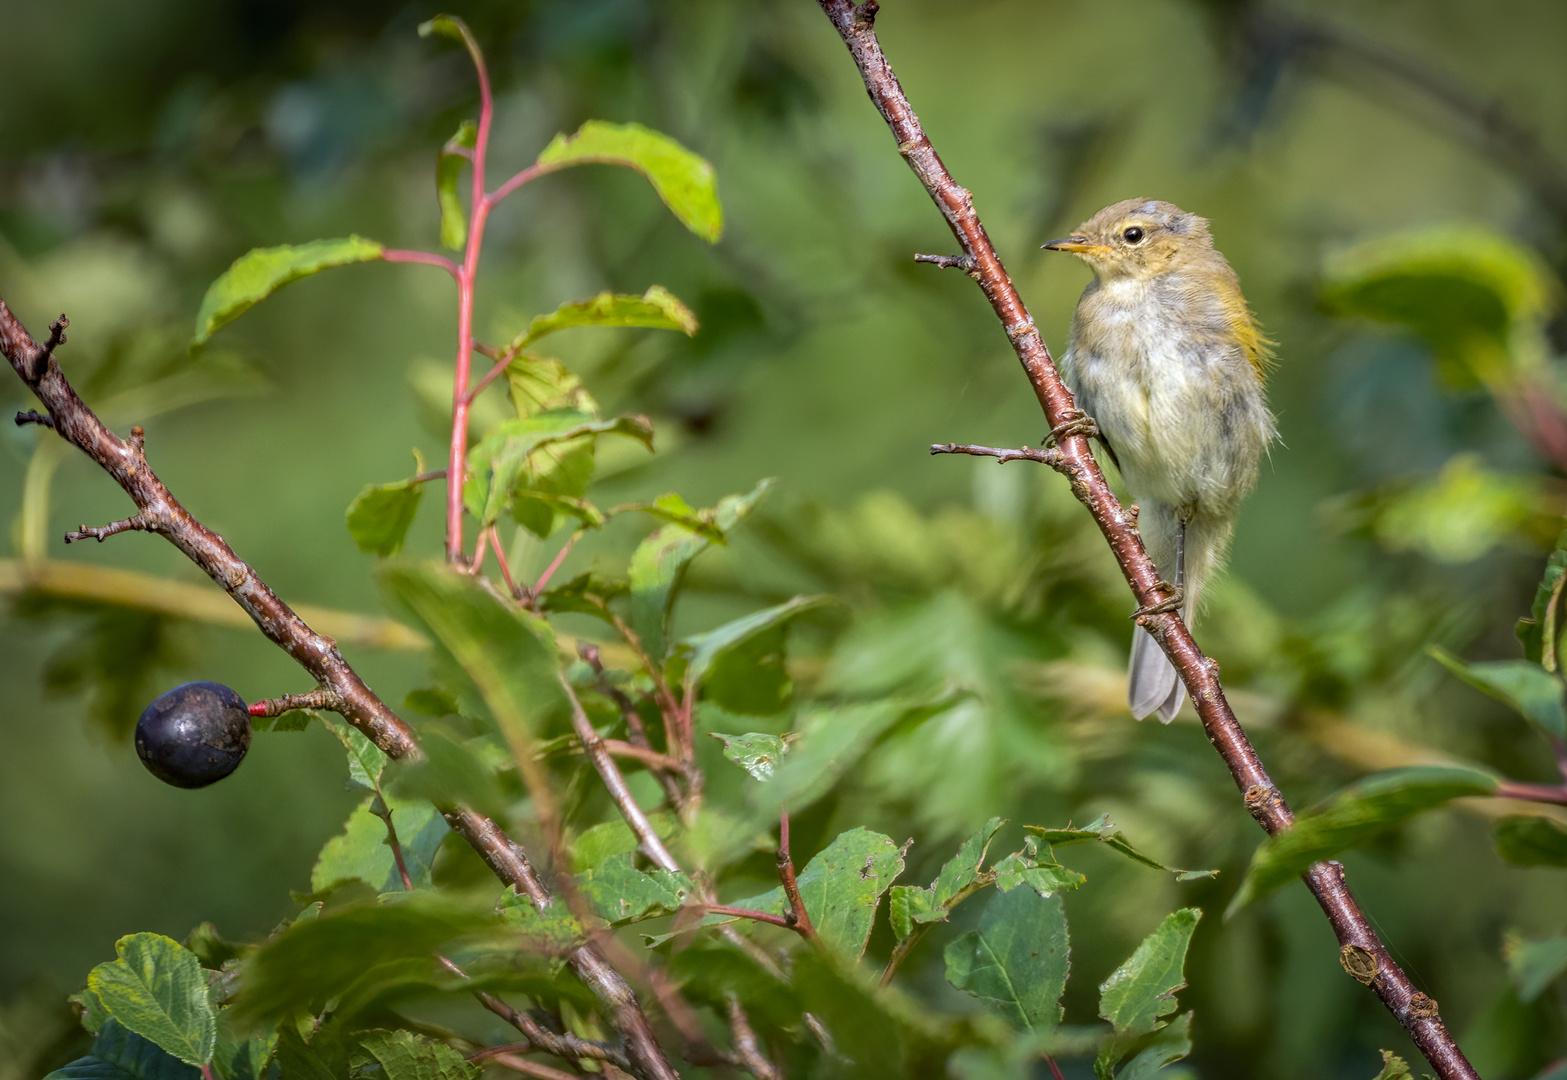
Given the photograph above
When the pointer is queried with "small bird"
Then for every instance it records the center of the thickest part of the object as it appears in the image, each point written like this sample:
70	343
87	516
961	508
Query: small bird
1167	361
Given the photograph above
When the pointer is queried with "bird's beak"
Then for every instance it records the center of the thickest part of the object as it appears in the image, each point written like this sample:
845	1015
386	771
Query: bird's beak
1075	244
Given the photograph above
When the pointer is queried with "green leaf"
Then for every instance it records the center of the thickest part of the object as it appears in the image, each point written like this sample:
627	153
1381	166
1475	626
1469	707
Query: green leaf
360	852
659	563
1170	1043
403	1055
540	384
741	663
1143	989
1102	831
510	655
758	754
1459	514
454	772
1351	817
842	887
830	741
1477	297
1393	1067
118	1054
867	1027
380	515
1041	873
683	180
260	272
1541	633
1527	688
241	1054
366	761
1017	960
156	989
620	893
656	309
521	454
908	905
1534	965
1524	840
674	510
551	932
448	168
348	952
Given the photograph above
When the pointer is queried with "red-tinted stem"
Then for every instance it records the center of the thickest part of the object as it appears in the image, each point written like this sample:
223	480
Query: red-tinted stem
428	258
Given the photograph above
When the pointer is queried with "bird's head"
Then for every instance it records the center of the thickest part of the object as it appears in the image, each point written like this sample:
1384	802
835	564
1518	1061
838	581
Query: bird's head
1139	238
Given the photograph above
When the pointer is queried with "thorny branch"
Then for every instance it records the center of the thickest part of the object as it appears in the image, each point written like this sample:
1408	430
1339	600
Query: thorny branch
1417	1012
158	511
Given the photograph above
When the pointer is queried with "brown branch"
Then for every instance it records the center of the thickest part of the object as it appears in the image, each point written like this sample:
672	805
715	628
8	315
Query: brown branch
315	699
609	772
528	1068
1416	1011
126	462
748	1048
1045	456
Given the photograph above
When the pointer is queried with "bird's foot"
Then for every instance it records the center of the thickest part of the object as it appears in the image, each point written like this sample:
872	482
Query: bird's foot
1080	424
1177	597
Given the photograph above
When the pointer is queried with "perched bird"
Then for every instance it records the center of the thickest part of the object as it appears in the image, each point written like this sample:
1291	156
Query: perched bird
1167	362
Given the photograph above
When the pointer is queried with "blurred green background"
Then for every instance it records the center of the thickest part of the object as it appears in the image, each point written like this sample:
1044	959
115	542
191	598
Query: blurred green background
143	147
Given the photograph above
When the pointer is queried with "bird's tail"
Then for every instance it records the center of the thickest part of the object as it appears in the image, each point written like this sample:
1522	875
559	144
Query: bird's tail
1153	685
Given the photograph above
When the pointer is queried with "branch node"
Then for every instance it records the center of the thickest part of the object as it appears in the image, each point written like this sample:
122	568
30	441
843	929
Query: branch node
1360	963
33	416
103	532
1421	1007
56	337
865	14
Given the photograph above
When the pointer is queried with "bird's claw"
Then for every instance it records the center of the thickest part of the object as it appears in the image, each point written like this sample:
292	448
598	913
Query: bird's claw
1178	596
1081	424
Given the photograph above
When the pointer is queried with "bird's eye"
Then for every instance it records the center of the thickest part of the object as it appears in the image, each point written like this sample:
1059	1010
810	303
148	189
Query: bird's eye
1134	235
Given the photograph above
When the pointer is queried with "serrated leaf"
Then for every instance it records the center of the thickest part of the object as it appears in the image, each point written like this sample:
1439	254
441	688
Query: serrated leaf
908	906
118	1054
350	951
620	893
1045	876
1017	961
659	563
1351	817
672	509
454	772
366	761
448	168
1104	832
554	931
1143	989
381	514
157	990
403	1055
1534	965
241	1054
1393	1067
682	179
260	272
756	753
1525	840
538	384
509	654
842	888
830	741
360	852
1527	688
656	309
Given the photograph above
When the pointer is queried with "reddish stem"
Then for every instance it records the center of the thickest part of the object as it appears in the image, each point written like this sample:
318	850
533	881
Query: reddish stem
755	916
799	918
428	258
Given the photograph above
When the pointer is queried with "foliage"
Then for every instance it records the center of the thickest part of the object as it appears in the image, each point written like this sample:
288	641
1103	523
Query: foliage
875	668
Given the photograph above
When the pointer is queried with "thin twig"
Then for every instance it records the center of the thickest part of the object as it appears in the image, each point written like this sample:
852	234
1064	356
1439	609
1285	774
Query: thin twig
799	918
529	1068
134	523
125	461
1416	1011
327	700
560	557
1044	455
748	1048
428	258
397	848
609	772
501	563
768	917
1541	793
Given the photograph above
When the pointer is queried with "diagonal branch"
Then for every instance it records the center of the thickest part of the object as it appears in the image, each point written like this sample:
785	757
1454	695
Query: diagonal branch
1415	1010
340	686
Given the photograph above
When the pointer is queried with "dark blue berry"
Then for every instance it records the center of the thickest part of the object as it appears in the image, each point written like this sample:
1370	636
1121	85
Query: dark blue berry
194	735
